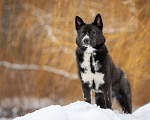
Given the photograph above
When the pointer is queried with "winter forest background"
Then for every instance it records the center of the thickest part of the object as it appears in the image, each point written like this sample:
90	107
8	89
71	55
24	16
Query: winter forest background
37	50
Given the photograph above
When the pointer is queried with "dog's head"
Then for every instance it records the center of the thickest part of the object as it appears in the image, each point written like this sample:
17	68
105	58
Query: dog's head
89	35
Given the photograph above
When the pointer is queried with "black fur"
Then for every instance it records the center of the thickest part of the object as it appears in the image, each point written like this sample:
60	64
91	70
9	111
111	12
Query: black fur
116	84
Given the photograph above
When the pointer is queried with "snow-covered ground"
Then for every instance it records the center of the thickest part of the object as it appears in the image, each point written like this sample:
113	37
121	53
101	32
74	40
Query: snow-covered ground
84	111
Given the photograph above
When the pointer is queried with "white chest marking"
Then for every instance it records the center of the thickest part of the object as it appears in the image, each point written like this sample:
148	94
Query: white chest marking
88	76
96	64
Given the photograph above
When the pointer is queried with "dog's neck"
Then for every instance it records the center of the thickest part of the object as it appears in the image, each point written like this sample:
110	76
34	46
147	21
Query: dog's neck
101	53
101	50
100	46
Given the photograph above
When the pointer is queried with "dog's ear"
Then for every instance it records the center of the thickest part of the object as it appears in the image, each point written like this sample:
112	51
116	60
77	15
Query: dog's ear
98	21
79	22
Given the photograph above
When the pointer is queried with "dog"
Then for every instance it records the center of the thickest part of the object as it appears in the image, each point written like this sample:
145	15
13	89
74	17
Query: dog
96	69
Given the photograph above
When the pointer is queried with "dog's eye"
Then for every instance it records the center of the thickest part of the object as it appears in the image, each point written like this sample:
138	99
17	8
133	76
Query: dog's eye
82	33
92	32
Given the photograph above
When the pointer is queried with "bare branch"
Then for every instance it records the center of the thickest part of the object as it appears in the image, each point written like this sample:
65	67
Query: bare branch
37	67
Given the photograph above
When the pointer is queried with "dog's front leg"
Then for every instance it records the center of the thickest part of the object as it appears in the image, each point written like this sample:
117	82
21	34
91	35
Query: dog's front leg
86	92
108	97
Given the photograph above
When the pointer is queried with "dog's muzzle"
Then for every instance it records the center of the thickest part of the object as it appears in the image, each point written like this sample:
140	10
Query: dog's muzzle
86	41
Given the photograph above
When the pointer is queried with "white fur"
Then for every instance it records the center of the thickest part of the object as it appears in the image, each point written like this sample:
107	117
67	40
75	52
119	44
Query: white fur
98	91
88	76
96	64
86	36
90	49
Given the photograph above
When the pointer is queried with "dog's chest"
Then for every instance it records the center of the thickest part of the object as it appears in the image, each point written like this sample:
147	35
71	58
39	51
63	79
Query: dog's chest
91	72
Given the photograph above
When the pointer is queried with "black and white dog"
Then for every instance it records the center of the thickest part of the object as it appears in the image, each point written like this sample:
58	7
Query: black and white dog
96	69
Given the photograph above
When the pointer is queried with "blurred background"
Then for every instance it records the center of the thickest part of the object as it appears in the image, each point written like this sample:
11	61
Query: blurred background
37	50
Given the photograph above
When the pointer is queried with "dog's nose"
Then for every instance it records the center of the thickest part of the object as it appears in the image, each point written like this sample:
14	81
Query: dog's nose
86	41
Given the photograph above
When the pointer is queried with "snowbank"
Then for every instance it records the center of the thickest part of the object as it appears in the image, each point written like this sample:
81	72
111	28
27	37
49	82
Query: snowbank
84	111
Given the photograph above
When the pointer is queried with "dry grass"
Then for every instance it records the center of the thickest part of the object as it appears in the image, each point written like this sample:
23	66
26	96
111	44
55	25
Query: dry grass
43	33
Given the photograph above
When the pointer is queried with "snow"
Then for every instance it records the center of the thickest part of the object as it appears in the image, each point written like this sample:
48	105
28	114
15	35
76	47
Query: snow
84	111
145	110
49	113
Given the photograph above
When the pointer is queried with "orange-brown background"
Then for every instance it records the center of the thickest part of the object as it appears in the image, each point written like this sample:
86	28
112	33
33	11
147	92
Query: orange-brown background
43	33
